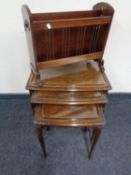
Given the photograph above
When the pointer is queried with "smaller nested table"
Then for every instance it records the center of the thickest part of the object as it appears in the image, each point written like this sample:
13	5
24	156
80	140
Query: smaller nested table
86	116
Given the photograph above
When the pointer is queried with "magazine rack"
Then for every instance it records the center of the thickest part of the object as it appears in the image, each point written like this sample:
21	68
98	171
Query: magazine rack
61	38
68	85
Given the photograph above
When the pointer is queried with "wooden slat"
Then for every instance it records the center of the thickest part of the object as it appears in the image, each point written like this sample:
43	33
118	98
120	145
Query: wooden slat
65	15
74	22
69	60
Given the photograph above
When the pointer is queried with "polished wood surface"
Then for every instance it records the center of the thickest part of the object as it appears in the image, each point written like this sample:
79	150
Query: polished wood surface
75	77
70	98
65	15
72	22
71	116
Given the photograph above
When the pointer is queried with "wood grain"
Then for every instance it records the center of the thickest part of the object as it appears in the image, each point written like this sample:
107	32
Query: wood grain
74	116
70	98
65	15
69	60
74	22
77	78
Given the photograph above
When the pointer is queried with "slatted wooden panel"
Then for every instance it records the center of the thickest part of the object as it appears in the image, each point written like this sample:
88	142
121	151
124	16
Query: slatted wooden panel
60	43
60	35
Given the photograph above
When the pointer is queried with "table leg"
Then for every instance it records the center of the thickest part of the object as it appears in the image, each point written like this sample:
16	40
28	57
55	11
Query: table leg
38	129
95	137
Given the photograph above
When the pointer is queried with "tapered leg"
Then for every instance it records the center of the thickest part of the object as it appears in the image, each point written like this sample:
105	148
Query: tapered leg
93	134
95	137
38	130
